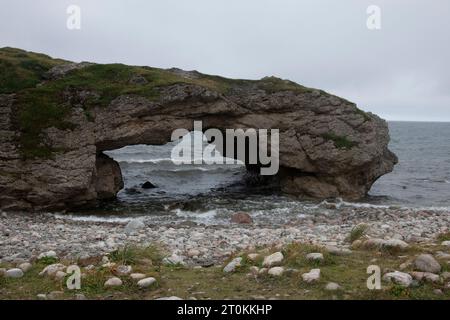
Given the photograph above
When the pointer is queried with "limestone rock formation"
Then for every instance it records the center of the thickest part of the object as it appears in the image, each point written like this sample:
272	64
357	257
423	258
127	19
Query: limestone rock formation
57	118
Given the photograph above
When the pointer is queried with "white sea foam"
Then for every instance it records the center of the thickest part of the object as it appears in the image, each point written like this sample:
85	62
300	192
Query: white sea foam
271	212
437	209
362	205
135	160
83	218
169	160
207	217
376	206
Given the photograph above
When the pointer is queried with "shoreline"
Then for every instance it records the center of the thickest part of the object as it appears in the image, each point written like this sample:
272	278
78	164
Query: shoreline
24	236
309	259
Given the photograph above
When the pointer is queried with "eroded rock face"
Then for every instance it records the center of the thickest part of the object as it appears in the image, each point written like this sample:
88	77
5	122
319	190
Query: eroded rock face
108	180
328	147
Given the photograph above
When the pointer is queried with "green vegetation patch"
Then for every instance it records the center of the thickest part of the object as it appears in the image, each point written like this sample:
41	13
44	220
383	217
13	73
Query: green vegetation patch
48	260
49	104
38	111
43	103
274	84
445	236
21	69
340	142
295	256
349	271
134	255
357	232
363	114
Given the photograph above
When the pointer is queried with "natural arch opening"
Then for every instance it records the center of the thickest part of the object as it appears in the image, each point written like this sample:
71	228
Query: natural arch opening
153	181
182	195
149	172
152	184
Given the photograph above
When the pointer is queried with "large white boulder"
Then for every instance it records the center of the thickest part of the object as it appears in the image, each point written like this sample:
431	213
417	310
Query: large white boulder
273	260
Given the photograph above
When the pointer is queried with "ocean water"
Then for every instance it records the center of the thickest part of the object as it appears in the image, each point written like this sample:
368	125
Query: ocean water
209	194
422	176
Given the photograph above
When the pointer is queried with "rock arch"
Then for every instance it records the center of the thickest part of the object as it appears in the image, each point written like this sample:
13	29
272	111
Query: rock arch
328	147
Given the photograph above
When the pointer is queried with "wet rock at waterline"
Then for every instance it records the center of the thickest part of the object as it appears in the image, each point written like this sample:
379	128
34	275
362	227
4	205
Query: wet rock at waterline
132	191
328	147
192	205
148	185
241	218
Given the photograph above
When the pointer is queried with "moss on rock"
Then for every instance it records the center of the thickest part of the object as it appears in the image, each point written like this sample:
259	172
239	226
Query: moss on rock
340	142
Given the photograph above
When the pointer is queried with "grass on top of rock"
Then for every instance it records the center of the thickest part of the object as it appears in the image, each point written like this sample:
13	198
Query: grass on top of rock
44	103
22	69
274	84
340	142
97	85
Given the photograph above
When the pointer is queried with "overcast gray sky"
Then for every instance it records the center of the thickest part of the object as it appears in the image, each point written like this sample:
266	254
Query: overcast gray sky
401	72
